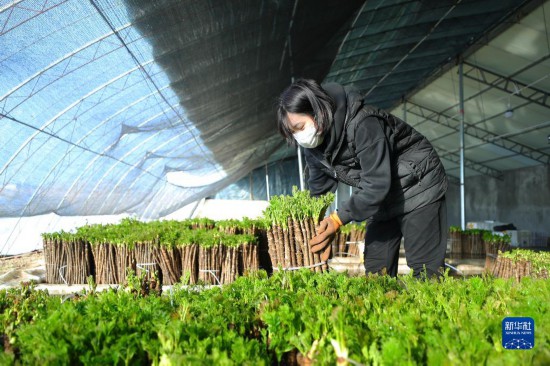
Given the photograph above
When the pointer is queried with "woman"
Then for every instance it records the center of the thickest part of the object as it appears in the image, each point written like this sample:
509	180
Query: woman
399	182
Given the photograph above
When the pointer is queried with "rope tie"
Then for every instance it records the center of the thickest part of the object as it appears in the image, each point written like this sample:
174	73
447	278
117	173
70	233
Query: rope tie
211	271
61	275
296	268
143	265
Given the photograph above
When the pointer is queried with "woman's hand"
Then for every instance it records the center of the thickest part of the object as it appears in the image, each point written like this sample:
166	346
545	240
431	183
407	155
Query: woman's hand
326	231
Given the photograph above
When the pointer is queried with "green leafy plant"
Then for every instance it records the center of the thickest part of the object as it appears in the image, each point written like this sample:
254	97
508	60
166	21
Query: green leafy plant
324	318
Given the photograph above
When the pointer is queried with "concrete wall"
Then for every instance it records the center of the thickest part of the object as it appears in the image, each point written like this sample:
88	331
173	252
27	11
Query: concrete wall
521	197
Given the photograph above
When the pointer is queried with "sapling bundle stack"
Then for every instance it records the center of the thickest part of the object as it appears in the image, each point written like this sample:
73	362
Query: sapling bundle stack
169	259
249	254
169	254
355	236
211	256
68	258
125	261
339	246
466	244
189	261
210	263
106	241
494	244
250	250
472	243
79	260
455	239
105	259
521	263
143	239
230	265
54	256
293	222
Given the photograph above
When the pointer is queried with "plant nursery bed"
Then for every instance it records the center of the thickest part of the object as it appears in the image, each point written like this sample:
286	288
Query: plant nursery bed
289	318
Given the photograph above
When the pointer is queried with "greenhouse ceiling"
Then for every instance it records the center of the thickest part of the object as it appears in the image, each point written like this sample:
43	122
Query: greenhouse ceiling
144	106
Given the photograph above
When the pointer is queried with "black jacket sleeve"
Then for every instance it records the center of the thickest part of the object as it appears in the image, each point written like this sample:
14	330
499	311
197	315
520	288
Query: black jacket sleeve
318	181
374	153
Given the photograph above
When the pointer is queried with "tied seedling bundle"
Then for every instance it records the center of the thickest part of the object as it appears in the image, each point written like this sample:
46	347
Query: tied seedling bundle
249	254
521	263
54	256
293	221
472	243
68	258
219	256
346	242
494	244
165	249
455	238
467	243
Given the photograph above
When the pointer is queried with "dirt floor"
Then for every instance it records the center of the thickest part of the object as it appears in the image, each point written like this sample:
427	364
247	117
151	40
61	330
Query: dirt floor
22	267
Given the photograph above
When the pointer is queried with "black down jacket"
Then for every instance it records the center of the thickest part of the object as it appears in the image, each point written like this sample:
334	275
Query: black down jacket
393	168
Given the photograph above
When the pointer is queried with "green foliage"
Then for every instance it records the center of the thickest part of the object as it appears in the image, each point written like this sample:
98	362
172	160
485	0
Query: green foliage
130	232
299	206
19	306
455	229
113	327
491	237
351	227
539	260
244	224
258	320
476	232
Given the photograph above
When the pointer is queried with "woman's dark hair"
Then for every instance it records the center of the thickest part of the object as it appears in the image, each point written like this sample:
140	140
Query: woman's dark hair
304	96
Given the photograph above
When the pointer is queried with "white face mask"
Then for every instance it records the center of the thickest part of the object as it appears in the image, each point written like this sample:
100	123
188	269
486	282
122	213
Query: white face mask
308	137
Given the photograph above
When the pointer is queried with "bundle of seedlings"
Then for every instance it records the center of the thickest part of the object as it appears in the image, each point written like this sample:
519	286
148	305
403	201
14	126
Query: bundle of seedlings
293	221
68	258
189	253
168	254
339	244
111	255
248	253
105	259
255	256
494	244
521	263
125	260
211	256
455	239
472	243
230	265
54	256
187	244
143	240
355	237
466	245
79	259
